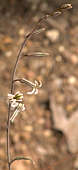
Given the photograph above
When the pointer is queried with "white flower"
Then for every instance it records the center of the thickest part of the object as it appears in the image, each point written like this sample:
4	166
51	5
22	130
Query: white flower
20	108
15	97
36	86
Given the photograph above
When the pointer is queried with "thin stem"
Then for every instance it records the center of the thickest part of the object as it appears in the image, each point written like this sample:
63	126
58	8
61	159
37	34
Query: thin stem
8	136
34	31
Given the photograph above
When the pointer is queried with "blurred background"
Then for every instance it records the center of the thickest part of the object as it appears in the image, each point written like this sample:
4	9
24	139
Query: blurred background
47	131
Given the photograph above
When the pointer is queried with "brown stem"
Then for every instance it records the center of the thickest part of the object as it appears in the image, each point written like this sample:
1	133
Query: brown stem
25	81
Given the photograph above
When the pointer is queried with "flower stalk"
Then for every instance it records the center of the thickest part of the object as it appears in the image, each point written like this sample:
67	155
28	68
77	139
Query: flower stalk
16	100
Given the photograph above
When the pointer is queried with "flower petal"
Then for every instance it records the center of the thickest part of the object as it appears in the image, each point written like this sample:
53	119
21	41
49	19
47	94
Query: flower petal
32	92
14	104
10	96
36	91
14	115
20	108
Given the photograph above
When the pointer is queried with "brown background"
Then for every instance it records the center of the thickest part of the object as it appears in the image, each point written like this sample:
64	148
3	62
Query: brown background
35	133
